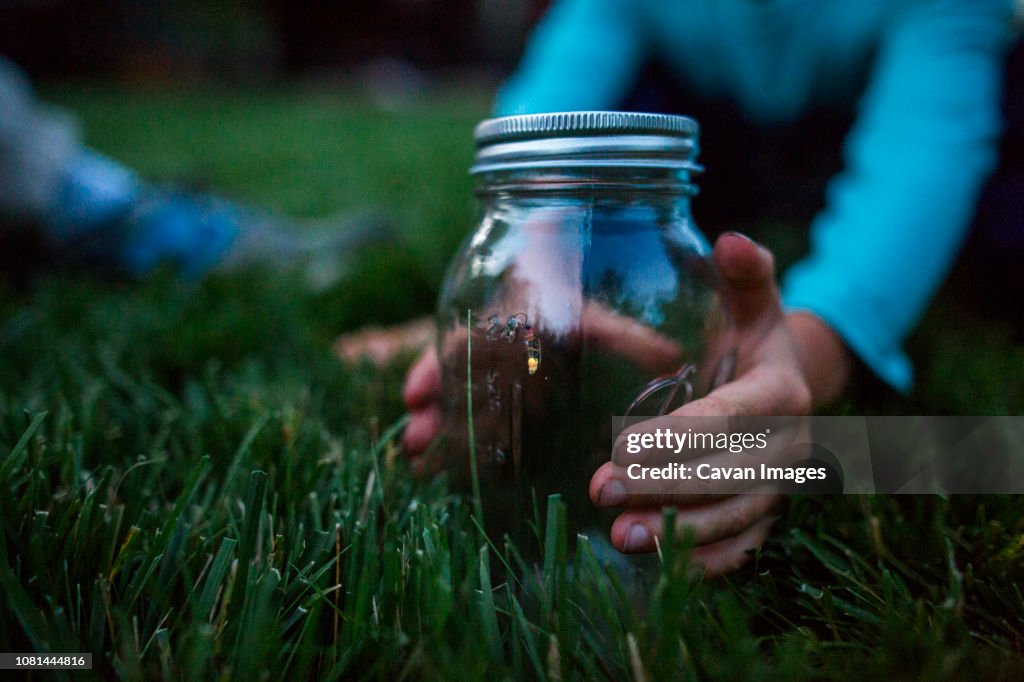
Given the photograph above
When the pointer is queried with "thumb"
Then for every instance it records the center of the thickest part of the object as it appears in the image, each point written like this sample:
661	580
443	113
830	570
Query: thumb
748	277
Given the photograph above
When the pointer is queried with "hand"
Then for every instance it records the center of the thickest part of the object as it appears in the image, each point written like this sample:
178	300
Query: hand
381	345
785	365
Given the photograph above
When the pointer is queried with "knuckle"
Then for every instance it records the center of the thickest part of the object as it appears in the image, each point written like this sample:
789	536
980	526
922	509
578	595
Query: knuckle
715	406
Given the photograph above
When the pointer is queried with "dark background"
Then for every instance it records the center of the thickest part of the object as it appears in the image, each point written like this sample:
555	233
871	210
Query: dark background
234	39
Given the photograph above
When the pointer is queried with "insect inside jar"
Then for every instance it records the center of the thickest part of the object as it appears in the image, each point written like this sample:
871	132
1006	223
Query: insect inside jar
510	331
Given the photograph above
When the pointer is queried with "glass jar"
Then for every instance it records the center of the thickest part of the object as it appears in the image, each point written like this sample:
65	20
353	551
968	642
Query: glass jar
585	292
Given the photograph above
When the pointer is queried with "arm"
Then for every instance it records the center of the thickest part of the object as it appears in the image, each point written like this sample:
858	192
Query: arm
583	55
915	162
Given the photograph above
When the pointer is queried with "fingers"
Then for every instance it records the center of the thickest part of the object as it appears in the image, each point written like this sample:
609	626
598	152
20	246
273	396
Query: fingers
423	426
635	531
380	345
766	389
422	397
611	486
423	382
748	274
725	532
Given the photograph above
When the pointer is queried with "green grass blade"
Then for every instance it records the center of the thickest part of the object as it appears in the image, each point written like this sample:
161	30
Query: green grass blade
16	457
215	578
488	610
478	508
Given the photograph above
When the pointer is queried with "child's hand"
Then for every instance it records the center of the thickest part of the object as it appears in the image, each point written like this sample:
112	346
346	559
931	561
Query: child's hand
785	363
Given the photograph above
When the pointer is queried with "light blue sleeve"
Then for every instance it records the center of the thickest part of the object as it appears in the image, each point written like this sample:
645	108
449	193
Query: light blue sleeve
924	142
584	54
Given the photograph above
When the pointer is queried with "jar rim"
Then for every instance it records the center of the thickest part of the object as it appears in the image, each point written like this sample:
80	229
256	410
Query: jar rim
586	139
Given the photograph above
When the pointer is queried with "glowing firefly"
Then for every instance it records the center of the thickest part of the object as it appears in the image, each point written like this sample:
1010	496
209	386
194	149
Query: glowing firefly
532	349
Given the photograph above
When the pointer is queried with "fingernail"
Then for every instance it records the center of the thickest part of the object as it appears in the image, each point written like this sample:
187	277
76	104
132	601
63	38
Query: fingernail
740	235
637	538
757	245
613	494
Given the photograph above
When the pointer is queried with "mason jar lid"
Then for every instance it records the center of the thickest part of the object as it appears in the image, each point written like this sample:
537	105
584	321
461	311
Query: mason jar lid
586	139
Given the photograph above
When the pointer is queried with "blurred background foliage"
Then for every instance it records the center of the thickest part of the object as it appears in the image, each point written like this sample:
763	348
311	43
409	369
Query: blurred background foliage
182	40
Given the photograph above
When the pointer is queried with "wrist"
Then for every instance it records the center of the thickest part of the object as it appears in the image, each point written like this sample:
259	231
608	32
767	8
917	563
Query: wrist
824	360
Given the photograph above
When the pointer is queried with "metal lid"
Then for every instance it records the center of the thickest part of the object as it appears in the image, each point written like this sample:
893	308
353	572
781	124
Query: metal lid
586	139
575	123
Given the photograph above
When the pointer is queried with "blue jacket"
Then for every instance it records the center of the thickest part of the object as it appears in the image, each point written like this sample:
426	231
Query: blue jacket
924	140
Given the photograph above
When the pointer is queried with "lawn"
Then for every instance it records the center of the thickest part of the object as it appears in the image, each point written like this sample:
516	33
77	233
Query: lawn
192	487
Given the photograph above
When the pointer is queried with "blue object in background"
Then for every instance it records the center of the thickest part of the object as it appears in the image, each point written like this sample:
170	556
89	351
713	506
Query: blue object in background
105	216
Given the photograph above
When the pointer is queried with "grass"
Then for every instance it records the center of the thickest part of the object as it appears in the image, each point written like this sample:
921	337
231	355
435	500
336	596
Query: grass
191	487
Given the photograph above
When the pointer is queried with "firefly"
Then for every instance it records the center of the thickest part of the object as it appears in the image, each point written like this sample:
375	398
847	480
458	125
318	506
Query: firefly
494	327
510	332
532	347
513	326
